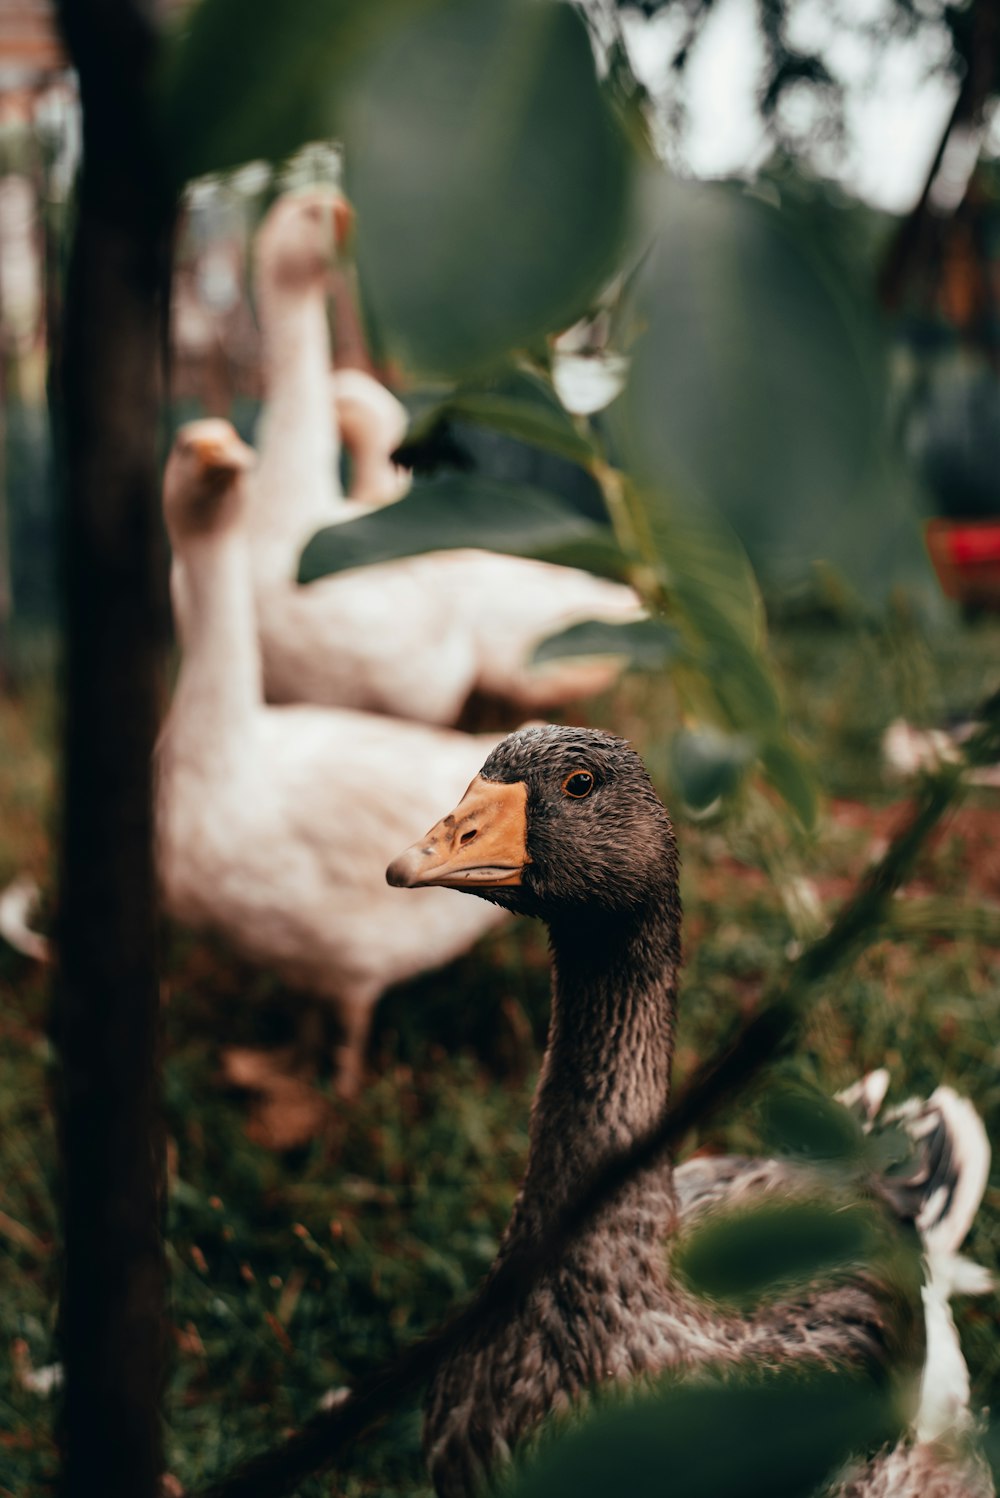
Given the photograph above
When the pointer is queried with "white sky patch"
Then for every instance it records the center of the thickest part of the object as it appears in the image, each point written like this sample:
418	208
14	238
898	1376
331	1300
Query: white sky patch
895	110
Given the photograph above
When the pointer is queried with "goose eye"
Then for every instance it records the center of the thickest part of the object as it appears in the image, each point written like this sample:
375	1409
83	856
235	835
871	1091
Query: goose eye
579	784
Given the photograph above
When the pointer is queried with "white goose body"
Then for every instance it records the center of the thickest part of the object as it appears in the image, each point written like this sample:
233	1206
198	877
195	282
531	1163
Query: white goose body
415	638
275	823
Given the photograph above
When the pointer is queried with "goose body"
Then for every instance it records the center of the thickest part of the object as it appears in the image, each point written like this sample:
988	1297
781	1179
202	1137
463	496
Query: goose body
565	824
414	638
274	823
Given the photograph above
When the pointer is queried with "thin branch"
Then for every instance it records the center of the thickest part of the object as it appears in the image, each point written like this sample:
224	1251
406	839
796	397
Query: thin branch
737	1064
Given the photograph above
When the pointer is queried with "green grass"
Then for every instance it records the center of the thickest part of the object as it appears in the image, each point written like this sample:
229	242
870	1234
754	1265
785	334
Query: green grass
293	1276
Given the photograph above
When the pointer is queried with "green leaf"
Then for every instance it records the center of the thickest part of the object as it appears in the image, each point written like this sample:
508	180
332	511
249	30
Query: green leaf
792	778
706	570
805	1123
520	405
712	588
245	79
756	386
490	180
649	644
774	1437
740	1257
743	684
456	511
706	764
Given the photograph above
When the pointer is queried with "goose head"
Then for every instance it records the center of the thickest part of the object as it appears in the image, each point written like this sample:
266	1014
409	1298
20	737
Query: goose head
560	822
372	425
299	238
201	495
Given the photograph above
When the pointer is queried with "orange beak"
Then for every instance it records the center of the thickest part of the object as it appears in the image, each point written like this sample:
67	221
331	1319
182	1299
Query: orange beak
343	220
227	451
482	844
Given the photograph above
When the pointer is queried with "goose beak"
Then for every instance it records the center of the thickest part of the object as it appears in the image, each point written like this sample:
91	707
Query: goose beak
343	220
482	844
223	450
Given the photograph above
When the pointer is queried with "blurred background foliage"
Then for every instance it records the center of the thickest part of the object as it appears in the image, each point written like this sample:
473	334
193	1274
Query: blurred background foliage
757	412
770	413
779	414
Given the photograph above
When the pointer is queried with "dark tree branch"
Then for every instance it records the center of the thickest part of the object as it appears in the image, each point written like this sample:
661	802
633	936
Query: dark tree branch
737	1064
106	1003
6	594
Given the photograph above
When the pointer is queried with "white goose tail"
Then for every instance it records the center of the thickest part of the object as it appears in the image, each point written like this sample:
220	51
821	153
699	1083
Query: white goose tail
940	1193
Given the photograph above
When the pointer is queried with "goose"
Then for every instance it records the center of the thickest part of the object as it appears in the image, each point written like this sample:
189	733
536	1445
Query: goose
373	640
564	823
415	638
274	824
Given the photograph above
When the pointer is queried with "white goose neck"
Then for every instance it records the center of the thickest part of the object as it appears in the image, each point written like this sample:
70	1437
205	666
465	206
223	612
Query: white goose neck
218	688
295	488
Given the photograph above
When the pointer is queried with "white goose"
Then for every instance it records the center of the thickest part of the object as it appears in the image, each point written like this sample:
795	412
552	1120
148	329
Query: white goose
275	823
371	639
414	638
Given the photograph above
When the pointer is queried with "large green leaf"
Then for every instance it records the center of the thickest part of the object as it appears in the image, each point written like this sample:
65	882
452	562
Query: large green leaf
792	777
712	588
776	1437
490	179
756	384
706	570
520	404
243	79
456	511
490	175
648	644
741	1256
743	684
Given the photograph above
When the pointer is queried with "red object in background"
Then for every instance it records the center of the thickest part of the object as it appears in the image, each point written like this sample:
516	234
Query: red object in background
966	557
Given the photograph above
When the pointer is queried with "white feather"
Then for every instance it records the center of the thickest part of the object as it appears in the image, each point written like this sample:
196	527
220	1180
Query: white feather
18	903
946	1214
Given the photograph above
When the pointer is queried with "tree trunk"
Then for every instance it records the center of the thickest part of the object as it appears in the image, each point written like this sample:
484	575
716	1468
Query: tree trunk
106	1009
6	591
6	594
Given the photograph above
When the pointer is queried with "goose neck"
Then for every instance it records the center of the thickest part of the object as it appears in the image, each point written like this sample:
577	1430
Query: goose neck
294	329
606	1075
219	685
296	487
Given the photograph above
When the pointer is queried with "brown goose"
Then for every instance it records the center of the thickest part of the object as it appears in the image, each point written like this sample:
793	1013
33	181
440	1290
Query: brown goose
564	823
